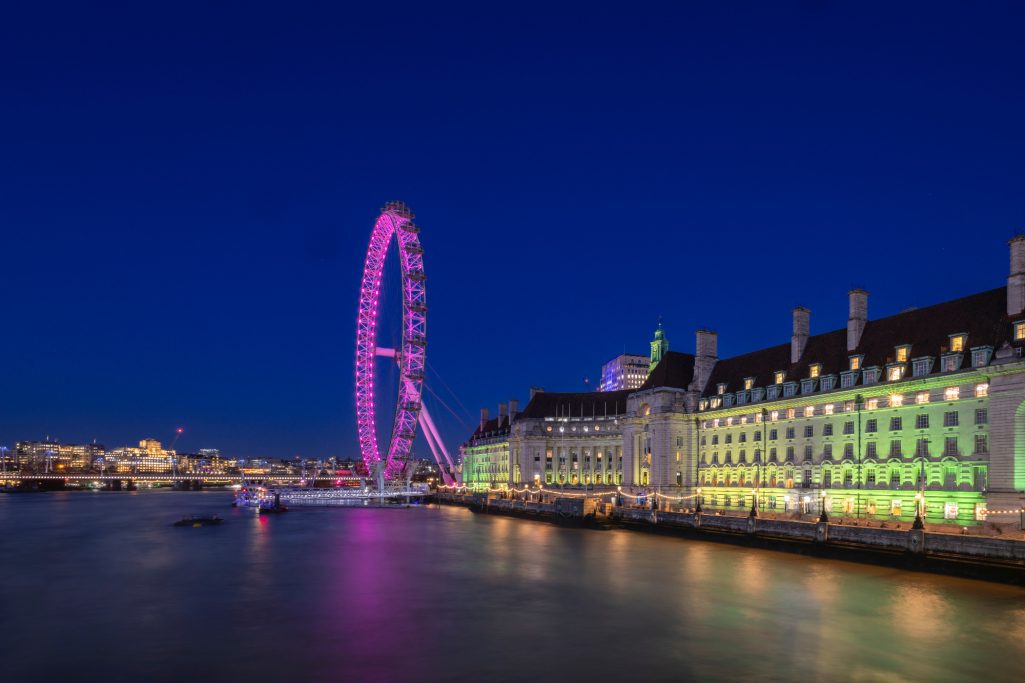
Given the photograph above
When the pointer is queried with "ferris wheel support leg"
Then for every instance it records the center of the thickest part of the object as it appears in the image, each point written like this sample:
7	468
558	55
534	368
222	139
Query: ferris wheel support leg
426	419
429	436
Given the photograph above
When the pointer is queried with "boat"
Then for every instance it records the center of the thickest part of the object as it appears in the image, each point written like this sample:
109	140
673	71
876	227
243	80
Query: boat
197	522
272	506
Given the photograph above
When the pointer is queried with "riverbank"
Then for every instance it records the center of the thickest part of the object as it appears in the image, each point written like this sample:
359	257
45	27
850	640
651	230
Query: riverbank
976	557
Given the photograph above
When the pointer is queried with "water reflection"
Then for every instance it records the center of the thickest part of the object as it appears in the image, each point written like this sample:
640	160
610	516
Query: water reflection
442	594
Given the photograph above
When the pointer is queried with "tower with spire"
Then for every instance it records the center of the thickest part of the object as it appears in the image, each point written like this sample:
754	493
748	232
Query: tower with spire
659	346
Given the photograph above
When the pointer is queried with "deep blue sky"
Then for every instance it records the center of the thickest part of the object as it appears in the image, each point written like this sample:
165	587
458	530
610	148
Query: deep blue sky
187	189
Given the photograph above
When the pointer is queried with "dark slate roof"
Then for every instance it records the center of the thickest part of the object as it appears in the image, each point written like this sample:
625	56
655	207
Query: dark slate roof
491	427
674	370
576	404
981	316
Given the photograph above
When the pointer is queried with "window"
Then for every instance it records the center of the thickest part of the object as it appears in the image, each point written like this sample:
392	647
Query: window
896	424
772	453
847	380
814	370
790	453
758	436
902	353
848	450
772	393
871	426
895	448
715	439
774	415
827	451
855	363
729	422
921	367
894	373
951	393
921	421
743	437
807	386
743	419
773	435
720	389
957	343
950	362
981	444
950	511
872	403
743	454
790	432
809	411
748	383
848	427
981	416
896	400
779	376
950	445
871	376
980	357
827	383
982	390
827	429
922	448
758	418
827	409
729	438
789	389
922	397
1019	331
791	413
870	449
950	419
809	431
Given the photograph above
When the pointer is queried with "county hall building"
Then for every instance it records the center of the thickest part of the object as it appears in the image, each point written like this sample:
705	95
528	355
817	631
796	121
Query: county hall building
925	409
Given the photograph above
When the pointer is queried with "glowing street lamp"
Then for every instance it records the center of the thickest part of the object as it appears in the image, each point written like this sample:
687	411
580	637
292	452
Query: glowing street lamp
823	517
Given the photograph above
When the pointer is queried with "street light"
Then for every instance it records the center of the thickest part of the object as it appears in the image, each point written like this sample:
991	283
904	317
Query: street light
754	503
823	517
918	523
697	508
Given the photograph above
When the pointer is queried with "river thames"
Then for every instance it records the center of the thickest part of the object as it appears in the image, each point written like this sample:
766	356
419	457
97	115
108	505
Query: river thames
100	586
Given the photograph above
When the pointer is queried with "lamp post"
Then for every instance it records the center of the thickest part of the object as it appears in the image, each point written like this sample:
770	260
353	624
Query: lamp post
754	502
697	508
918	523
823	517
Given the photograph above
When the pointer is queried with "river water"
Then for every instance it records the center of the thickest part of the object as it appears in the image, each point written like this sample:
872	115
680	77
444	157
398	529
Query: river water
100	586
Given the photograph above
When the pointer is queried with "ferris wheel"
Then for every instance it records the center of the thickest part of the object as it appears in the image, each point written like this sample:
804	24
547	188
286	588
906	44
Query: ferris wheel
395	220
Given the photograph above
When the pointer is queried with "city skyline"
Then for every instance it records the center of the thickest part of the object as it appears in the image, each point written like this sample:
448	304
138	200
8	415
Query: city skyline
201	267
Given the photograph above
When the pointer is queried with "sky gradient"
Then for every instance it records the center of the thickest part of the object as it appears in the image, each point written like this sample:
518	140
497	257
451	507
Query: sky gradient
187	191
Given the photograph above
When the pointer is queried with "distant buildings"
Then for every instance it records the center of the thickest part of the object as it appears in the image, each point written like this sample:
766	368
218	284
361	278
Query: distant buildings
148	458
41	457
626	371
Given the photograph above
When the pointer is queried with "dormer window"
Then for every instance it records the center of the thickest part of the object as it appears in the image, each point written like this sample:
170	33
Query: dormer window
715	402
980	356
894	372
920	367
950	362
871	376
720	389
789	389
957	343
749	383
772	393
727	400
902	353
779	376
703	405
1019	331
827	382
757	394
847	379
815	370
855	363
807	386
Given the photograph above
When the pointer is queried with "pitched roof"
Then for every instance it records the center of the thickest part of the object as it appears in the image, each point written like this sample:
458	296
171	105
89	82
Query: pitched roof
674	370
927	330
576	404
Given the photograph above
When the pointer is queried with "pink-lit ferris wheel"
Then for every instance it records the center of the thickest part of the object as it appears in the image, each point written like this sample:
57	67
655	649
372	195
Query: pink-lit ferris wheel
395	220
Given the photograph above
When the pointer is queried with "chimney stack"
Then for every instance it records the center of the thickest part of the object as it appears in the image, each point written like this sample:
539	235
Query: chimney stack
483	418
1016	279
857	317
514	407
705	358
503	414
799	339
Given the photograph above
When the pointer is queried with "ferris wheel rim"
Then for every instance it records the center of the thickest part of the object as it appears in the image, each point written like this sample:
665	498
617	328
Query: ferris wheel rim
395	220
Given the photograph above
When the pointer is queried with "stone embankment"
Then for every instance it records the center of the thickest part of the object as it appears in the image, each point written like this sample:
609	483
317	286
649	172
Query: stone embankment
994	559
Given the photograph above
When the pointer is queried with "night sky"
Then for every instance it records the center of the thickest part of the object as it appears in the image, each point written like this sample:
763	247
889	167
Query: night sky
187	190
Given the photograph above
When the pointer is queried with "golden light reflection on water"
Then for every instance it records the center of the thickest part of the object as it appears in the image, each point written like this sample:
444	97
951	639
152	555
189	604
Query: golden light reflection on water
919	612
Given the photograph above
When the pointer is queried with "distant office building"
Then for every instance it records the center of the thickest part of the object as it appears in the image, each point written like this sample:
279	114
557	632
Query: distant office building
626	371
49	456
149	458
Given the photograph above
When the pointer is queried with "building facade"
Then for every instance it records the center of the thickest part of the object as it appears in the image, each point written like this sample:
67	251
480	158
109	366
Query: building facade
923	411
625	371
41	457
149	458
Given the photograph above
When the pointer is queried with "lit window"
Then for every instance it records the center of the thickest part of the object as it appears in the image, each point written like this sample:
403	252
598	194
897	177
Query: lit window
902	354
896	400
827	409
872	403
815	370
982	389
715	422
951	393
1019	331
774	415
894	373
848	406
779	377
809	411
790	413
720	389
758	418
922	397
855	362
729	422
957	343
